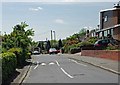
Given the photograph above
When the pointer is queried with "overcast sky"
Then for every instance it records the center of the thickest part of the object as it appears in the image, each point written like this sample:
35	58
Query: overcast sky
59	0
64	18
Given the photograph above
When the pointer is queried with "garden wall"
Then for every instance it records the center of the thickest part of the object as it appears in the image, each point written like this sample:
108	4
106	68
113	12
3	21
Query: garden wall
111	54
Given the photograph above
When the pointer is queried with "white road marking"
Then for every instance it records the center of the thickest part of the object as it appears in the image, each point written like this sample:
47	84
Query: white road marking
36	65
51	63
77	62
57	63
43	64
66	73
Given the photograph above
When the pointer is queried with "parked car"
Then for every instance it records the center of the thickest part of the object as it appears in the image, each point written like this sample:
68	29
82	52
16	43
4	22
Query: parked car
104	43
53	51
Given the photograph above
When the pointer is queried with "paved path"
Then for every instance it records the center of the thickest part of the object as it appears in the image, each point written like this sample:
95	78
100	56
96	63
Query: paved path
110	65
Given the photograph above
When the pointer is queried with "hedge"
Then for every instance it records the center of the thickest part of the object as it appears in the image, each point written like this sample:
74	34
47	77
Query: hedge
75	50
9	64
18	53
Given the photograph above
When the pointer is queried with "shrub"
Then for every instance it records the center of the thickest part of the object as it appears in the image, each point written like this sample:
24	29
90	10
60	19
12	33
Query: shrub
85	43
18	50
74	50
112	47
3	50
28	55
92	40
18	53
9	64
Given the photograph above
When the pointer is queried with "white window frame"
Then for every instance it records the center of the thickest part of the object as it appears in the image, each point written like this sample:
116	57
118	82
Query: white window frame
106	18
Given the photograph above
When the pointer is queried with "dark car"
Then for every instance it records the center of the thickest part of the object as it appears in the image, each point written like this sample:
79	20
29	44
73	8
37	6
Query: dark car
103	42
100	44
53	51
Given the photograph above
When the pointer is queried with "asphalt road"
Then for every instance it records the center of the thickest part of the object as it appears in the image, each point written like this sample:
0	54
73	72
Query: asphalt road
60	69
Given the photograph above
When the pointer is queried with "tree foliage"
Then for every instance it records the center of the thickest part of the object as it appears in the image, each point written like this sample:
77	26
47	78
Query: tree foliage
19	37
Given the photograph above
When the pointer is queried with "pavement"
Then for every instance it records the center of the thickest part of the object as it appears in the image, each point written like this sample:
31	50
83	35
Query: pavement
106	64
109	65
22	74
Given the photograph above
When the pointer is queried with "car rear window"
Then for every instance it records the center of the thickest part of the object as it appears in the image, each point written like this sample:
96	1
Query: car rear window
105	41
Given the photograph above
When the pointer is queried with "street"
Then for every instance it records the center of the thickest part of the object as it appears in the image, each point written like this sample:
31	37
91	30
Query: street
60	69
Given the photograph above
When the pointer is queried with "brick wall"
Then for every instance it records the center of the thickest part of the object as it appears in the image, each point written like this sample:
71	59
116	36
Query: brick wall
112	54
116	33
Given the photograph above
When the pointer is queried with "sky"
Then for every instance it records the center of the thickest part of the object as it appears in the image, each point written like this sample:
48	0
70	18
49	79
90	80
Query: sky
63	18
59	0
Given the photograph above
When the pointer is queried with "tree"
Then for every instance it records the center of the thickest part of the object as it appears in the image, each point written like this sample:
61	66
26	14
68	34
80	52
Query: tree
60	44
48	46
19	38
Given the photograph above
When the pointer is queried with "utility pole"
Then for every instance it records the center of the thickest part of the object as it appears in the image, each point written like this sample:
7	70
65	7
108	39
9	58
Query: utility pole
51	35
54	35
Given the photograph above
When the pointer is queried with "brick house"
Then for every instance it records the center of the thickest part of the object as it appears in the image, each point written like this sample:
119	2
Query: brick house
110	22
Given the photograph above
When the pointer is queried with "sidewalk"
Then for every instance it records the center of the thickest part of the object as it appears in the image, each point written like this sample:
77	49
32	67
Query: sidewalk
106	64
22	74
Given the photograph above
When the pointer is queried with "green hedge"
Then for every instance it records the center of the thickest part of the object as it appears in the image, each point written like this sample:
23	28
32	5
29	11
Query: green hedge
9	64
75	50
28	56
18	53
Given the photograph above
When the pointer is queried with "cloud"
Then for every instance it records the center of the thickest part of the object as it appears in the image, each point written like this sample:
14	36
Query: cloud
36	9
59	21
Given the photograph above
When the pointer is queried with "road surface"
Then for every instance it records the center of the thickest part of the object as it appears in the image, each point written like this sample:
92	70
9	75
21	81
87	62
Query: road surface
60	69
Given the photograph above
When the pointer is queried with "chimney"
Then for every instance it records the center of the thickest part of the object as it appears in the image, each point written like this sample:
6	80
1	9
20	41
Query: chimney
117	5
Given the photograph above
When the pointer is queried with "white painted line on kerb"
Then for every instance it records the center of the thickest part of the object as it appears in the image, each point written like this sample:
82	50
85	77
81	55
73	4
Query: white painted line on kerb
57	63
36	65
66	73
77	62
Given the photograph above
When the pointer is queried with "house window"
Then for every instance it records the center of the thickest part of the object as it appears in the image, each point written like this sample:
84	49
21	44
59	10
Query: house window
105	18
105	33
112	32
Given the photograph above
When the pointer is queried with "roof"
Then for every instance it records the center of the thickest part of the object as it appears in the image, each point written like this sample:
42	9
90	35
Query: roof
118	25
109	9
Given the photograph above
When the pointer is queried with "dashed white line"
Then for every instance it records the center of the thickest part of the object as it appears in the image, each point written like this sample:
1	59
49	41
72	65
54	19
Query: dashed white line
66	73
77	62
36	65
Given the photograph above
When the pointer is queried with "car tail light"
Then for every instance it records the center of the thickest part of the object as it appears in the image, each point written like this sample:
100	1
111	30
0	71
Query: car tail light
98	45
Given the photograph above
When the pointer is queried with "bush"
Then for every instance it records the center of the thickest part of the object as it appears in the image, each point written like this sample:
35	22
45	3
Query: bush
9	64
18	50
92	40
18	53
68	47
28	55
3	50
85	43
76	47
75	50
112	47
